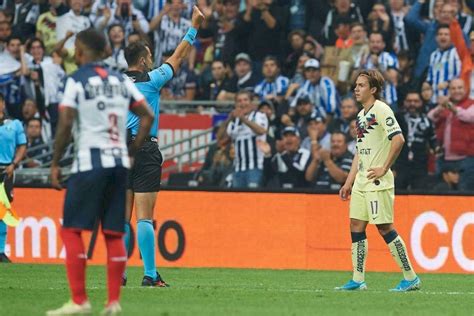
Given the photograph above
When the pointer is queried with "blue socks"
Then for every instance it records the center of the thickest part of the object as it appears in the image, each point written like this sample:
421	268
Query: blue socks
126	237
126	241
3	236
146	244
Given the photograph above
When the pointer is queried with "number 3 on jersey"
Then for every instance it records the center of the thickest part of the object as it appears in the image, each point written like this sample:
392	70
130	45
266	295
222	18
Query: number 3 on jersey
113	127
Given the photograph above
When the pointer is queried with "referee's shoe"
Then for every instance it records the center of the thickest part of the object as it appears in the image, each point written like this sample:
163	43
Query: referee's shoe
4	258
158	282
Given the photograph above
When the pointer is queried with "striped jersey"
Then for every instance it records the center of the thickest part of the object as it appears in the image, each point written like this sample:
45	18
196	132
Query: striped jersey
277	87
444	66
247	154
401	40
169	35
322	94
386	61
102	98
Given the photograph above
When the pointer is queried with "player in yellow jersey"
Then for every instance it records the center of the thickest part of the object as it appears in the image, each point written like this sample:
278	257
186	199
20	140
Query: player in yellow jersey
379	142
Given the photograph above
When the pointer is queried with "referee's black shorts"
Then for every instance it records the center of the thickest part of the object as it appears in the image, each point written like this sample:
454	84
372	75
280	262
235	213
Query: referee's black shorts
145	175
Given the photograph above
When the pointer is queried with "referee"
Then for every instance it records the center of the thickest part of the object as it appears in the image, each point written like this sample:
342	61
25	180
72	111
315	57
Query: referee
145	176
12	151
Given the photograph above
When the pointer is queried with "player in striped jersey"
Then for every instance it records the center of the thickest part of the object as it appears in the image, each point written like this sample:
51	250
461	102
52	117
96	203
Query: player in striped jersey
383	61
445	64
169	28
95	104
246	127
319	89
274	85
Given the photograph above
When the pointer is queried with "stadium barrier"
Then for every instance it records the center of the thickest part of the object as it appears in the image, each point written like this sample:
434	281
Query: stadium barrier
264	230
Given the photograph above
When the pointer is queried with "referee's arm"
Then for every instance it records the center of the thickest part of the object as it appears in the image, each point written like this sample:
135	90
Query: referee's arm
184	48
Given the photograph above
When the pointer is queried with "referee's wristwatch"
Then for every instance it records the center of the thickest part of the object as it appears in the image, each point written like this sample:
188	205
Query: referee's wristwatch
15	165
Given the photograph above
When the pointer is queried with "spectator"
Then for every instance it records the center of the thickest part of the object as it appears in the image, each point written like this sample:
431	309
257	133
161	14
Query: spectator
274	124
342	8
14	60
226	36
313	48
411	167
46	24
383	61
34	140
343	32
380	21
466	55
273	86
244	78
402	40
217	169
360	46
116	37
448	181
169	27
454	123
44	80
67	26
296	39
289	165
349	110
352	145
320	90
25	15
405	82
30	111
246	127
328	170
261	26
211	89
298	79
304	109
414	22
445	64
318	135
426	96
122	12
464	19
5	33
182	86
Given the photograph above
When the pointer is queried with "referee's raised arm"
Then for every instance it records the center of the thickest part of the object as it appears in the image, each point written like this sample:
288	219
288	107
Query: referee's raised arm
184	48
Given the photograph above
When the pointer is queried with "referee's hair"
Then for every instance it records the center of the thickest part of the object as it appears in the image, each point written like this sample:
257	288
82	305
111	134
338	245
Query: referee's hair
134	52
94	41
2	97
376	81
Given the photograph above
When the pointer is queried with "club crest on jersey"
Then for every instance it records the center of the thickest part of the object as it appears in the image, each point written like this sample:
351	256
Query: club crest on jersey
364	126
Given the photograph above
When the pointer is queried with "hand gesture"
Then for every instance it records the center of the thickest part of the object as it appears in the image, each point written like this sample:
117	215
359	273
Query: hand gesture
264	147
9	171
286	120
55	177
376	172
106	13
69	34
313	133
345	192
325	154
197	18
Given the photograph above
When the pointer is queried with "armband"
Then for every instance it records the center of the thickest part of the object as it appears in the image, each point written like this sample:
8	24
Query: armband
190	35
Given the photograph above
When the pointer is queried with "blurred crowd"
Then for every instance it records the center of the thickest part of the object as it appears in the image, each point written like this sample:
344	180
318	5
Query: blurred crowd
289	66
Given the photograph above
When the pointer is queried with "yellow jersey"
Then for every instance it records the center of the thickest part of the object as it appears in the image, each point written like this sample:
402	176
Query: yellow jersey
375	130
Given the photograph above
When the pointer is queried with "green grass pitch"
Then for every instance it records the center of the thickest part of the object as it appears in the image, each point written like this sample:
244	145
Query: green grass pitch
33	289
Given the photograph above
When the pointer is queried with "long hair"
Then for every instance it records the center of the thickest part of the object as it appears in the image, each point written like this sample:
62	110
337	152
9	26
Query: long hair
376	81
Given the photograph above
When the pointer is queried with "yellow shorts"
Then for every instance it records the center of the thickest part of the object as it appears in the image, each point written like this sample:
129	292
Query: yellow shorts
375	207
